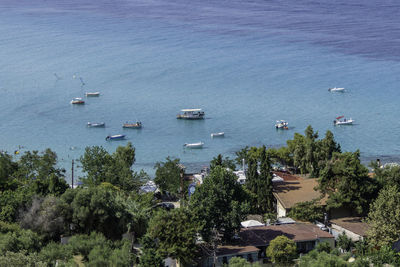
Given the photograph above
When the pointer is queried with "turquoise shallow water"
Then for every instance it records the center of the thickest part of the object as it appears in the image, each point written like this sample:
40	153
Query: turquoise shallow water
246	64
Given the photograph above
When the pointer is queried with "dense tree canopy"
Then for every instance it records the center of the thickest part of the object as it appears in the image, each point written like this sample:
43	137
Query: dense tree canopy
220	203
168	176
282	250
345	180
175	232
384	217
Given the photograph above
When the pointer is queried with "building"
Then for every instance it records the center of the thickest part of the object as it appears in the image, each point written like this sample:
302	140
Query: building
291	189
251	243
353	227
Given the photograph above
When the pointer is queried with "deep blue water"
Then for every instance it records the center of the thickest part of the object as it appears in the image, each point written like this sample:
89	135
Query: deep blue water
246	63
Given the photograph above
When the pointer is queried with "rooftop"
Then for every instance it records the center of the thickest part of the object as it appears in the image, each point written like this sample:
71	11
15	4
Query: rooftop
262	235
352	224
295	189
234	250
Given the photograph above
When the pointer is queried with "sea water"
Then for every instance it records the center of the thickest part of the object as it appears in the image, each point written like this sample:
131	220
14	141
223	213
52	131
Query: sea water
245	63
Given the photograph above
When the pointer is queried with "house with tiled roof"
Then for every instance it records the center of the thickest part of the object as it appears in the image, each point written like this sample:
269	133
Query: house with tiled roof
251	243
292	189
354	227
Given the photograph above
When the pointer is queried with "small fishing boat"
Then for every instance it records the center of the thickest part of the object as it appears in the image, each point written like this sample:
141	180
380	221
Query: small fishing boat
341	120
88	94
77	101
115	137
282	125
194	145
136	125
221	134
336	89
191	114
96	124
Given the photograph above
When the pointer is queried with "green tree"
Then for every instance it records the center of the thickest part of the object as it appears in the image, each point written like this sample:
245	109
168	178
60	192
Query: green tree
265	198
344	242
7	168
23	240
319	259
54	252
96	209
282	250
323	246
175	232
345	180
310	211
219	202
297	148
168	177
224	162
116	168
150	255
387	176
20	259
384	217
240	262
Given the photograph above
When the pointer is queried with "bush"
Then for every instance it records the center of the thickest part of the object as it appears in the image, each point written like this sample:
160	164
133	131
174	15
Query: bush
282	250
324	246
316	259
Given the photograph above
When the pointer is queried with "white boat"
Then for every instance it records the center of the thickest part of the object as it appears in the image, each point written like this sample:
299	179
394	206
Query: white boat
77	101
96	124
115	137
92	94
336	89
194	145
341	120
221	134
191	114
282	125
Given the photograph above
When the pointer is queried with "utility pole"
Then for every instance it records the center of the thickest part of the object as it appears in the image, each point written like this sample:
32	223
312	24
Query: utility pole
72	176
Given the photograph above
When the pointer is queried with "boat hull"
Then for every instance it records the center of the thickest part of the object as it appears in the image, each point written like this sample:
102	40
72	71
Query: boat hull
96	125
194	145
94	94
222	134
115	137
130	126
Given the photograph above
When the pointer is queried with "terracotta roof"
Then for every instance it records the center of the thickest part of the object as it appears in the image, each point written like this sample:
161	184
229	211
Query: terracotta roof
261	236
291	192
234	250
352	224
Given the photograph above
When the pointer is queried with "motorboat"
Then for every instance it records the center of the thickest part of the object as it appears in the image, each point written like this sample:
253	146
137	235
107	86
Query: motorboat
88	94
221	134
115	137
96	124
191	114
282	125
194	145
341	120
77	101
336	89
136	125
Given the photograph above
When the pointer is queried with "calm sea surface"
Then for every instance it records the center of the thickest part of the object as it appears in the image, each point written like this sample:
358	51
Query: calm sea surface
246	63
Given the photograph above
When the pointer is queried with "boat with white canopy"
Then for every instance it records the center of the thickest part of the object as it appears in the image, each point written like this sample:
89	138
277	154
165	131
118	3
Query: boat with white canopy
191	114
341	120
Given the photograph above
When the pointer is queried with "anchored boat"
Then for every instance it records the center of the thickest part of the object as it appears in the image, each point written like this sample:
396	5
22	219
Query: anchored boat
96	124
136	125
88	94
341	120
282	125
336	89
77	101
194	145
191	114
115	137
221	134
